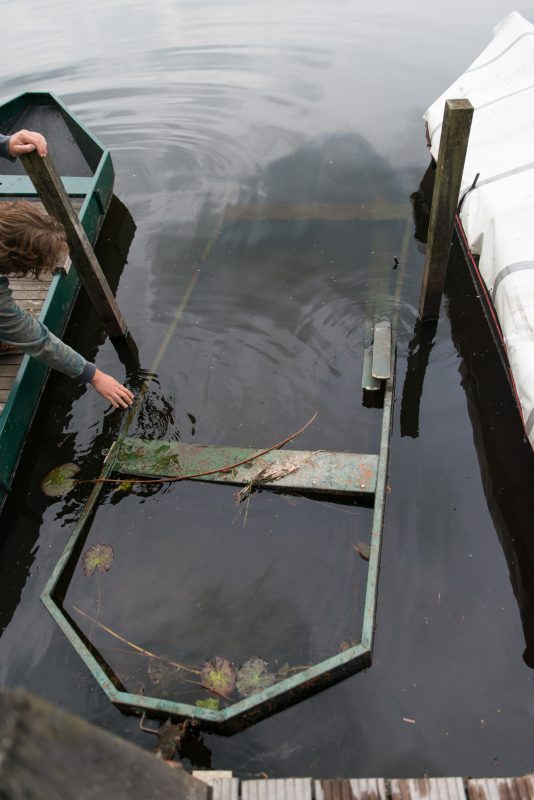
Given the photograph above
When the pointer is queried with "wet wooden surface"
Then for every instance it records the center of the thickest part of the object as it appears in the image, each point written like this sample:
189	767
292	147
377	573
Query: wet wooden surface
29	295
374	789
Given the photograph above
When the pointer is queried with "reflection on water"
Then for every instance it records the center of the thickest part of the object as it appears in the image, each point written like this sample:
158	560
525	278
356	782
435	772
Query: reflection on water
266	153
505	456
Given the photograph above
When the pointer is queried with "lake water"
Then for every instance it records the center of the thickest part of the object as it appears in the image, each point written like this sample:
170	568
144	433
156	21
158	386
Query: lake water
235	128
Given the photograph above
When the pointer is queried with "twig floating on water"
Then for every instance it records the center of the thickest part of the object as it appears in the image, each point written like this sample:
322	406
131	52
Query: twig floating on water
135	647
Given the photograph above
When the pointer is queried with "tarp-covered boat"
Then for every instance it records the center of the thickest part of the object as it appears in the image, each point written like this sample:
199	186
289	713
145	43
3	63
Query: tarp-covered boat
497	194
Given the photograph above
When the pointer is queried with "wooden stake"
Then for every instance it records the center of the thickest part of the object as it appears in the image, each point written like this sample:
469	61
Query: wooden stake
453	147
55	199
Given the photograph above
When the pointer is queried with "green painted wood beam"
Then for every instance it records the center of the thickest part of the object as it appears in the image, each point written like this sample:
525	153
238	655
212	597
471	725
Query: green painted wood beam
319	471
21	186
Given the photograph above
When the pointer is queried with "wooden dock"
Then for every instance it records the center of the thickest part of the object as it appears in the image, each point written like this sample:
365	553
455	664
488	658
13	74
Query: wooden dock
229	788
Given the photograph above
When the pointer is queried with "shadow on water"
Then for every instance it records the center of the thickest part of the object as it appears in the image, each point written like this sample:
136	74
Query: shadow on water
505	456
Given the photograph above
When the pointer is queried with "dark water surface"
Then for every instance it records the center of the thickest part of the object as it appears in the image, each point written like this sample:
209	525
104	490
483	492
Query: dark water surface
237	130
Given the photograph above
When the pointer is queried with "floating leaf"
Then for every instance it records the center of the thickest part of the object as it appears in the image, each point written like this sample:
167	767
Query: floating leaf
125	486
254	677
60	480
219	675
98	557
364	550
210	702
344	645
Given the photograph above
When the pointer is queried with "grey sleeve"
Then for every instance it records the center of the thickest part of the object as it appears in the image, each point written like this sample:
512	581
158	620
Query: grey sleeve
19	328
4	147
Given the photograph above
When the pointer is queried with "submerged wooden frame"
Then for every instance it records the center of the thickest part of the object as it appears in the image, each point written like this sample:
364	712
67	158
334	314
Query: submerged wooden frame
286	692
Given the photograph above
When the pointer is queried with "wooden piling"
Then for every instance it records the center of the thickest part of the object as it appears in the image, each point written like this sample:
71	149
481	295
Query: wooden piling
453	147
55	199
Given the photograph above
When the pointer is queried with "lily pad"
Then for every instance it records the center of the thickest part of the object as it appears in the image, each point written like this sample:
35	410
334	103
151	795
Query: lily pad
98	557
59	481
210	702
219	675
125	486
254	677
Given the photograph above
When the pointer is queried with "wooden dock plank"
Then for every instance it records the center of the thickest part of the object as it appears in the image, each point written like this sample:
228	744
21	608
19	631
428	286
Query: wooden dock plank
428	789
9	370
225	789
277	789
351	789
501	788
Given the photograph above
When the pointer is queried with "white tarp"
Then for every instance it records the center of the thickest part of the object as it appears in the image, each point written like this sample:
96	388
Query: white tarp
498	215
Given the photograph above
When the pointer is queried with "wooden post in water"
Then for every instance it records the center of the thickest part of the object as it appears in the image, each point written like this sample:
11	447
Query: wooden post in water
55	199
453	147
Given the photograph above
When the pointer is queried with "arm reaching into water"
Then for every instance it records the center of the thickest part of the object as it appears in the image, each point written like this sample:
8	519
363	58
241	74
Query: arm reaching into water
31	243
20	329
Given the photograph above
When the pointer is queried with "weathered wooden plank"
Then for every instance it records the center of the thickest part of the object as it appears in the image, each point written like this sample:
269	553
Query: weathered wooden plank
452	150
46	753
223	785
381	368
33	307
501	788
351	789
56	201
277	789
369	383
38	294
320	471
8	370
428	789
26	284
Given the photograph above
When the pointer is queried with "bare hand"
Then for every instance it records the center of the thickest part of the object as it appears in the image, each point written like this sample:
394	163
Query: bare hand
27	141
112	390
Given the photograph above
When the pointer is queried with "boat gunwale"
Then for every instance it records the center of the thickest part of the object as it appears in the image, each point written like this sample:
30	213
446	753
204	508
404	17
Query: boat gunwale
19	409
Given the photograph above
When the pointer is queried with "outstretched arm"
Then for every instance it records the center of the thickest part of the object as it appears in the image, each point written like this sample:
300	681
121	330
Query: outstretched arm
19	328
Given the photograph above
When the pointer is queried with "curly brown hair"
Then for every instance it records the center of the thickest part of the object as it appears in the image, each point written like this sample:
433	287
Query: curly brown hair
31	242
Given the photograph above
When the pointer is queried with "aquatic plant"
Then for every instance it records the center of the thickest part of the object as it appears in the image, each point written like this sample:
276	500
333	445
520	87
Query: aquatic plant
219	675
98	557
212	703
60	480
254	677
